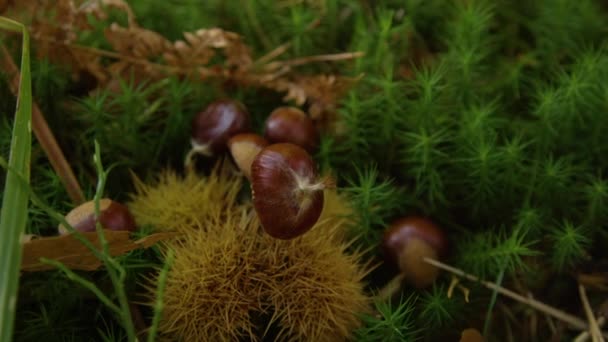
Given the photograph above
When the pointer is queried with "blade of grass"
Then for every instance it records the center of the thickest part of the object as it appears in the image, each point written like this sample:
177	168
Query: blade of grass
116	272
45	136
13	215
160	291
84	283
114	269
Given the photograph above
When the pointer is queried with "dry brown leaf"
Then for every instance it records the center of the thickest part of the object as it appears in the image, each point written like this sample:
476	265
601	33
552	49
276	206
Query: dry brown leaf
68	250
321	92
200	47
135	41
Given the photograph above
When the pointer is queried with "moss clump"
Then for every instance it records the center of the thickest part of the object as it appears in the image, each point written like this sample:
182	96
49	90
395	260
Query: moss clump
230	280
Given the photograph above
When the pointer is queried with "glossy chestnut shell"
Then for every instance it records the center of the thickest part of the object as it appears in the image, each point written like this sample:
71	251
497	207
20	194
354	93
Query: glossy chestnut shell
286	193
407	241
291	125
112	216
219	121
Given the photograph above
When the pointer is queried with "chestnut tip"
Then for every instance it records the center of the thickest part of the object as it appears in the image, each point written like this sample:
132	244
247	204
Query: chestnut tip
286	192
112	216
291	125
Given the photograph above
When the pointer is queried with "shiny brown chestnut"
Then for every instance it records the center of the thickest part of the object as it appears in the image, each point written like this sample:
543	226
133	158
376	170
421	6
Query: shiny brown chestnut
287	193
112	216
291	125
244	147
212	127
408	241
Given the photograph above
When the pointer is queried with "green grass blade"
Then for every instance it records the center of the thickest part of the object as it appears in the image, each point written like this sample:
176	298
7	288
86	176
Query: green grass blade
13	215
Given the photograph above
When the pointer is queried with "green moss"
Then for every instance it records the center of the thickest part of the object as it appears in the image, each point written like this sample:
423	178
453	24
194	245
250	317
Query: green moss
489	116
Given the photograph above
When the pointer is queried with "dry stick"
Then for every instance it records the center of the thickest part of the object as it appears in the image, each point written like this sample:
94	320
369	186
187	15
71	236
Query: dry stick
45	136
391	288
596	334
279	50
559	314
584	336
180	70
323	58
112	54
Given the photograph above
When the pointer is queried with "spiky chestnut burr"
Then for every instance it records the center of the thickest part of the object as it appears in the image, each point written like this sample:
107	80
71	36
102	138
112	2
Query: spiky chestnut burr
286	190
212	127
408	241
244	148
112	216
315	284
291	125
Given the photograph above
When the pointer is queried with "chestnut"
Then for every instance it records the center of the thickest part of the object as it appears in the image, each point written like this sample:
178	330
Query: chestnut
244	147
408	241
287	194
112	216
471	335
212	127
291	125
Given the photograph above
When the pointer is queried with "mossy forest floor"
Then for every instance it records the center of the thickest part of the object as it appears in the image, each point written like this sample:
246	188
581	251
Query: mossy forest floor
489	117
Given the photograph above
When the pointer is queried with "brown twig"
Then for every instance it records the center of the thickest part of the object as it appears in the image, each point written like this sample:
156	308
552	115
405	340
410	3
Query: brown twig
279	50
556	313
45	136
392	287
113	55
594	329
178	70
322	58
584	336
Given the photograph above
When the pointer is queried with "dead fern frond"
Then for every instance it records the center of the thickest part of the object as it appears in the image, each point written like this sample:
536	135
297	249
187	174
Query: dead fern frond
208	53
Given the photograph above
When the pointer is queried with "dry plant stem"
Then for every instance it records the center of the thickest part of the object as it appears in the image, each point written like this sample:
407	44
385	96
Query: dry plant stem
559	314
584	336
45	136
279	50
182	71
321	58
391	288
594	329
551	324
113	55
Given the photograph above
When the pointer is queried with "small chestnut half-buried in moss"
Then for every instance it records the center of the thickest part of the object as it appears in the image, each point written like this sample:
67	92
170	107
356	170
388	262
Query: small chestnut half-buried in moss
244	147
287	192
112	216
408	241
291	125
